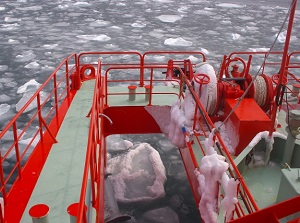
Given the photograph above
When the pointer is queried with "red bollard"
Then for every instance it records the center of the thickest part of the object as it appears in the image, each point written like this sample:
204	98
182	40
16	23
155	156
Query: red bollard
39	213
73	212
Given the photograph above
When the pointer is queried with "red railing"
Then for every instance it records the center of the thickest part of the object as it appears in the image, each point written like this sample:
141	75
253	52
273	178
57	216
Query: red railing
150	82
96	152
95	157
209	126
24	132
46	110
100	101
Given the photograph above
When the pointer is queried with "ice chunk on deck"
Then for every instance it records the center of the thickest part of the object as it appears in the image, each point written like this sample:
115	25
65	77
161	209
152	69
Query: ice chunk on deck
138	176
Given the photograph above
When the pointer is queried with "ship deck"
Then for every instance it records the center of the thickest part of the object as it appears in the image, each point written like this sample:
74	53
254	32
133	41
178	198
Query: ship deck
60	181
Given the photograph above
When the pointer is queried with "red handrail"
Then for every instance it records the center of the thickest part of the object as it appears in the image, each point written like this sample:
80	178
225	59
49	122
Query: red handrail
95	155
150	80
95	168
220	140
36	127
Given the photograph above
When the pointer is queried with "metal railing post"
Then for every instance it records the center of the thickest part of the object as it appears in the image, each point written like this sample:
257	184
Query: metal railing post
55	93
17	148
40	117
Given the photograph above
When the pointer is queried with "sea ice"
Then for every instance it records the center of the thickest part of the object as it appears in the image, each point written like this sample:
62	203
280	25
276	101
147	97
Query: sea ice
235	36
177	42
193	59
169	18
81	4
33	65
63	6
245	18
3	67
204	12
259	49
10	27
166	145
12	41
50	46
138	24
31	8
138	176
163	1
25	56
100	38
281	37
203	50
183	9
31	85
26	96
27	141
9	135
11	19
99	23
4	108
230	5
116	144
4	98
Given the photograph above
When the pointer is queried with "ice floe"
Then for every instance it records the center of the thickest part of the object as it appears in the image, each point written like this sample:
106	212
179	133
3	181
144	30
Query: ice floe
169	18
138	175
177	42
100	38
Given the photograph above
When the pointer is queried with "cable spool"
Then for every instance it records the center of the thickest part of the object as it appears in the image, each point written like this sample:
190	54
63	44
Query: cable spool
270	92
208	95
260	90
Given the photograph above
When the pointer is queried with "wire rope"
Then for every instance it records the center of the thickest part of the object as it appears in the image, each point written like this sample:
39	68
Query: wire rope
261	66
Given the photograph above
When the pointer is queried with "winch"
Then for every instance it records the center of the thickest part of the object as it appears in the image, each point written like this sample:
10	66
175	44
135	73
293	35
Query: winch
233	96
